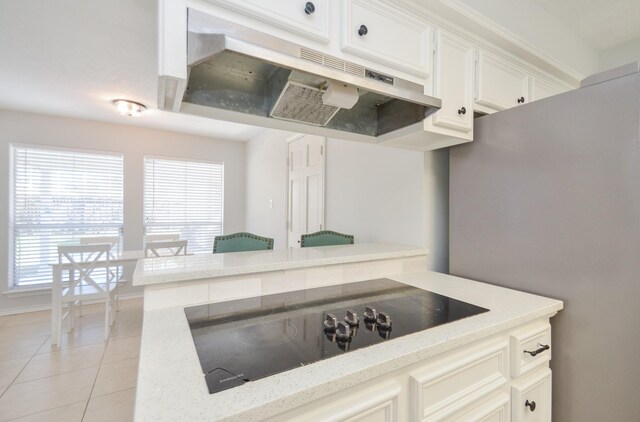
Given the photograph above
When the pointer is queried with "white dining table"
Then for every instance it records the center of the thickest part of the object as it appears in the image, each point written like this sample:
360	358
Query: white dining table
125	257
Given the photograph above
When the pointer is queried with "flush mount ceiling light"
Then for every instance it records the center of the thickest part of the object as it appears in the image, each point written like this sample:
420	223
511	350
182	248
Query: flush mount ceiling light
129	108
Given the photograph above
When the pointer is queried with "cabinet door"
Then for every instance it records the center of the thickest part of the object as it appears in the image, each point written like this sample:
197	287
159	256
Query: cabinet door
453	82
500	84
377	404
495	409
531	398
542	88
311	21
380	33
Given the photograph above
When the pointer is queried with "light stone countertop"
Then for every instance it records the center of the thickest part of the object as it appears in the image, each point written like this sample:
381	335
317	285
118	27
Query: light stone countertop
194	267
171	385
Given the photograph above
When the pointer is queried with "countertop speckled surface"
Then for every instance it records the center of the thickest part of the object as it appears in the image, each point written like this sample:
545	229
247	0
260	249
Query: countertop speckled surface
194	267
171	385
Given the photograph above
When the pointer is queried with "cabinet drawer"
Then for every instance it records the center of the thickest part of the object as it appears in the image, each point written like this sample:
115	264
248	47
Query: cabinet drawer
500	84
377	32
447	385
287	14
531	398
495	409
530	348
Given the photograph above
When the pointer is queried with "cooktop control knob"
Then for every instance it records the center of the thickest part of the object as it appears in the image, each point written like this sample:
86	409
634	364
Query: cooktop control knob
331	322
343	331
385	333
352	318
370	313
384	320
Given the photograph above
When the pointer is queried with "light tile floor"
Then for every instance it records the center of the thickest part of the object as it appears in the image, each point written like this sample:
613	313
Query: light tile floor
86	379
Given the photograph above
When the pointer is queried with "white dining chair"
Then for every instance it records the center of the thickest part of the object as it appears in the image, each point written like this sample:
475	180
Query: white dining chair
88	277
160	249
162	237
114	252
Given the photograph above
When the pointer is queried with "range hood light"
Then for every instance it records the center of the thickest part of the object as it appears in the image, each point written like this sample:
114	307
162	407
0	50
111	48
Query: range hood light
129	108
340	95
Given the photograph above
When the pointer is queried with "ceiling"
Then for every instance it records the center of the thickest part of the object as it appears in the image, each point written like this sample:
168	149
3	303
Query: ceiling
72	58
601	23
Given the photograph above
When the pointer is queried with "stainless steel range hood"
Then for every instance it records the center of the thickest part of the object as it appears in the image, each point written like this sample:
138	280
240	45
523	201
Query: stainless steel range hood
239	74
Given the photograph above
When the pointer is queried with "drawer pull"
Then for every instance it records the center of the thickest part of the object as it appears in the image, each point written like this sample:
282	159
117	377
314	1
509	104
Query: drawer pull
521	100
309	8
531	405
541	349
363	30
462	111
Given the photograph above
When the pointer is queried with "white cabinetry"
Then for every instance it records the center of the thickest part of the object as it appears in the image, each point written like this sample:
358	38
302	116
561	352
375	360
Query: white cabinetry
543	88
485	381
453	82
531	398
447	385
500	84
530	348
307	18
378	404
375	31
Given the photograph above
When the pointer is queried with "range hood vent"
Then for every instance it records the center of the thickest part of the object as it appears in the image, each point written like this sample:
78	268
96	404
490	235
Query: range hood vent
242	75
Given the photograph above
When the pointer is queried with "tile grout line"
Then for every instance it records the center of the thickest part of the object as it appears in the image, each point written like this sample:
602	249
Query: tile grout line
104	352
13	381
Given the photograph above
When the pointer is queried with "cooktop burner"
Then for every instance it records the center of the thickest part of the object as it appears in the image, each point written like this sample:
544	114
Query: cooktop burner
248	339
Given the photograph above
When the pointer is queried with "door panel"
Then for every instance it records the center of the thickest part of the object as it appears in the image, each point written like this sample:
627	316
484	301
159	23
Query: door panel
306	187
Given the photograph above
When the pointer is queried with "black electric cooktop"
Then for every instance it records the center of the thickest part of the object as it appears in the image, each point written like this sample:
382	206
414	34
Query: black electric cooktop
248	339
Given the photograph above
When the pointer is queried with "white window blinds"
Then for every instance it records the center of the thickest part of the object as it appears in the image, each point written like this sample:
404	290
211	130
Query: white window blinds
58	196
184	197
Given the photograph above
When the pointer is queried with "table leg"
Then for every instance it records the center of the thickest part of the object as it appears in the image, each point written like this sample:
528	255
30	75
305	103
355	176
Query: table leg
56	306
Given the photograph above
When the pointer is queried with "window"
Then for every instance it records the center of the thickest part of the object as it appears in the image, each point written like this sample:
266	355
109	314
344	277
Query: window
59	195
184	197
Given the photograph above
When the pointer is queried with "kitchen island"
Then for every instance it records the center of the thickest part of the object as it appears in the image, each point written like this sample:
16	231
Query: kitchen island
475	366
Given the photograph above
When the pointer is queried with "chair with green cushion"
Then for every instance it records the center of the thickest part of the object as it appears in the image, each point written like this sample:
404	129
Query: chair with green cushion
325	238
240	242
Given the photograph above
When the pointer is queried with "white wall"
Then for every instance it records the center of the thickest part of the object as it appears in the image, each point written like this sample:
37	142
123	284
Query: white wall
620	54
436	206
267	180
134	143
375	193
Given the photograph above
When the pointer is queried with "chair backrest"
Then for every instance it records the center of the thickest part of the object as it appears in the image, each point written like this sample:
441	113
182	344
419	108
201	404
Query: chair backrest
162	237
170	248
240	242
325	238
85	260
114	241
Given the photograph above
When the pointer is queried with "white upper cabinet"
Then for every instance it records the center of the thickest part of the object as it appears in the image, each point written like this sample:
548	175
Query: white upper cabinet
375	31
307	18
500	83
543	88
453	82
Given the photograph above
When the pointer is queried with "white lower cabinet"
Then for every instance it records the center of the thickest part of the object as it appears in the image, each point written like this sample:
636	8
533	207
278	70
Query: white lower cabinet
486	381
531	397
495	409
377	404
448	384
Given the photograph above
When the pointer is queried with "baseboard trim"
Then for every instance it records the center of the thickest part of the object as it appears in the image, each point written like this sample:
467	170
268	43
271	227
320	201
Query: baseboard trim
24	310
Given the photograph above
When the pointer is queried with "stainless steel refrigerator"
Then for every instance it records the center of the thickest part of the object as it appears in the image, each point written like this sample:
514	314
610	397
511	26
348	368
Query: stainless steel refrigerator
546	199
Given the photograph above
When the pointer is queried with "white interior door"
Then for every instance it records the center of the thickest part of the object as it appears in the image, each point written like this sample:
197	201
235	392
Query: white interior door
306	187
